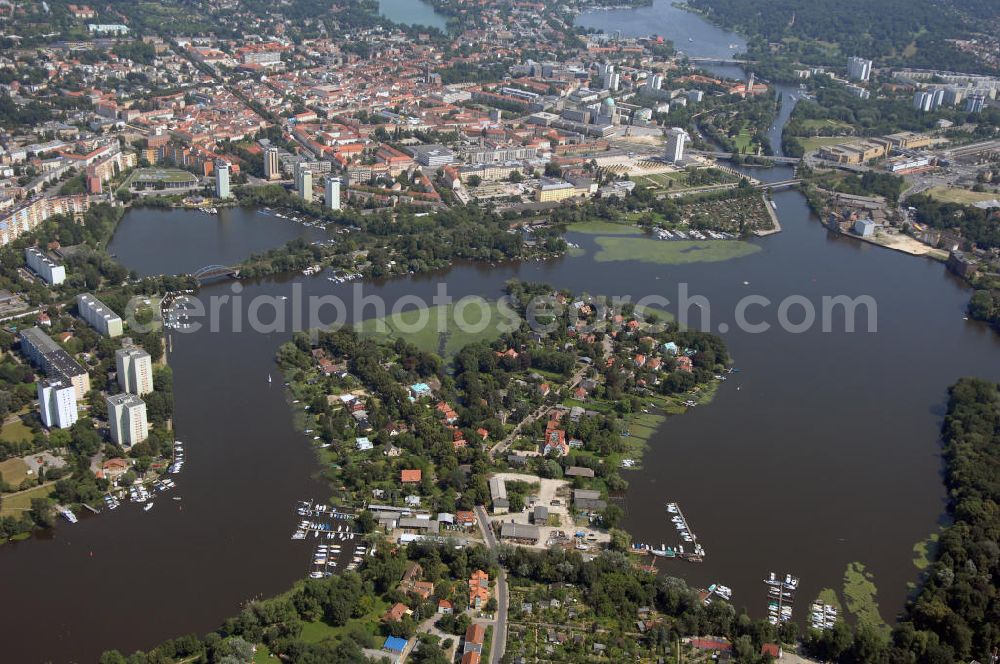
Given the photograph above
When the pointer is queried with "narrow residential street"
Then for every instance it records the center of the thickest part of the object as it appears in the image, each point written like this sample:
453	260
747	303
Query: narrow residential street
500	627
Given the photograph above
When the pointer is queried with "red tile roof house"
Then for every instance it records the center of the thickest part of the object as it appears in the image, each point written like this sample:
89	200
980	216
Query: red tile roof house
475	635
772	649
396	613
466	519
711	644
411	476
479	589
684	364
423	589
555	440
445	606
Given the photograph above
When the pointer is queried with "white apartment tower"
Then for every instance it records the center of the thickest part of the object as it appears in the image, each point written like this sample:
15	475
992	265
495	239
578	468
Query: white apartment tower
676	139
304	183
222	179
127	419
135	370
333	193
272	167
57	403
859	69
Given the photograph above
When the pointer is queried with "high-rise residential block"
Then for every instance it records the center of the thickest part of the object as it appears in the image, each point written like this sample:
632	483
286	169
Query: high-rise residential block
57	403
127	419
676	139
135	370
222	179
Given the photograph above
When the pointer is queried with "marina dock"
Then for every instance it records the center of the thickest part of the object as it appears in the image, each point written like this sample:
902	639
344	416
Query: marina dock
781	597
334	530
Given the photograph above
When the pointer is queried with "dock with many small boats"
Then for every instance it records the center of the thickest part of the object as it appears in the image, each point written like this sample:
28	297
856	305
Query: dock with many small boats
781	596
695	552
334	529
822	616
139	492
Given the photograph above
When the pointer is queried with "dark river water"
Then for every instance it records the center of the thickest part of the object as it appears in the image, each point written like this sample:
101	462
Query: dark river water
227	238
821	451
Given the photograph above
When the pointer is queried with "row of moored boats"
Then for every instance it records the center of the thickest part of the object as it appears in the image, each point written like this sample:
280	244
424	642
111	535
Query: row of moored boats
664	234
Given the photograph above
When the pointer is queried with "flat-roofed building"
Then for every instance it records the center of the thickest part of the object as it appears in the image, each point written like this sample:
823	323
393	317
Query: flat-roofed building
432	155
135	370
859	69
99	315
272	166
520	532
51	358
332	193
222	179
555	190
52	272
857	152
908	140
57	403
127	419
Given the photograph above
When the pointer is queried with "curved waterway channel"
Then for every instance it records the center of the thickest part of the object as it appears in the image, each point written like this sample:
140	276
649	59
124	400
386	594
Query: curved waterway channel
823	450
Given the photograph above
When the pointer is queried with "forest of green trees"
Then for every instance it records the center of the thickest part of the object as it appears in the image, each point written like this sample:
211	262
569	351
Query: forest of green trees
912	32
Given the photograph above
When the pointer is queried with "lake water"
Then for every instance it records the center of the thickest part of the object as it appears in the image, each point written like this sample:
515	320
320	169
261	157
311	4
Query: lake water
412	12
226	238
821	451
688	31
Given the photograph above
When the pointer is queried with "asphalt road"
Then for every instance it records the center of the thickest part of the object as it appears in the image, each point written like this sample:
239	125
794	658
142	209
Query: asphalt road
500	628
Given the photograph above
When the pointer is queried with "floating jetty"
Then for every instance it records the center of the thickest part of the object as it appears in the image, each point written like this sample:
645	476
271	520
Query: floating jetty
822	616
780	597
333	526
696	554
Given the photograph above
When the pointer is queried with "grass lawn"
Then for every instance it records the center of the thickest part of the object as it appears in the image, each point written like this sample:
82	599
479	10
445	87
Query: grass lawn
664	180
365	626
440	329
16	504
263	655
824	125
743	140
646	250
13	471
17	432
964	196
597	227
810	143
859	595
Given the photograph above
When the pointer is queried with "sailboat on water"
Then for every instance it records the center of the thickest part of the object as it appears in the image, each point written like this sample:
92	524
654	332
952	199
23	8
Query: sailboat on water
268	379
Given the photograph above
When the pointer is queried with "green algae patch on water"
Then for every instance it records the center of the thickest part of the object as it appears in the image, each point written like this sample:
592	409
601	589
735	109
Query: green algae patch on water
598	227
646	250
925	551
860	596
